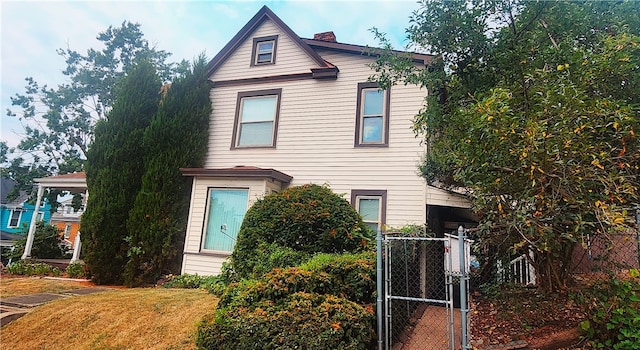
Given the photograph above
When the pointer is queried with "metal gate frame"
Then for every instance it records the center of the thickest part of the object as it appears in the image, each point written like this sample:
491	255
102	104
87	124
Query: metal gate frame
385	291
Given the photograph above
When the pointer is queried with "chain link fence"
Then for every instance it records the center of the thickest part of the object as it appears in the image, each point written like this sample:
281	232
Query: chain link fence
422	293
595	256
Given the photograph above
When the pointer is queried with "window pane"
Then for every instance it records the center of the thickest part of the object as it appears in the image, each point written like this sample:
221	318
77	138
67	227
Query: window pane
373	102
369	209
256	134
265	47
258	109
372	129
264	57
226	211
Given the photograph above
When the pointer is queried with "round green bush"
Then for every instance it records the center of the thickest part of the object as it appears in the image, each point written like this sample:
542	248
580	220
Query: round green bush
300	321
308	219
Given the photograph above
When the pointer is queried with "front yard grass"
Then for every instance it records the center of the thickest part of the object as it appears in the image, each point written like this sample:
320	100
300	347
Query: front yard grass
140	318
11	286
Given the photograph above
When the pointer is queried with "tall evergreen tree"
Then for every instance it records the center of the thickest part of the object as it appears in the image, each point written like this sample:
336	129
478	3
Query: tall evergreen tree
115	165
176	138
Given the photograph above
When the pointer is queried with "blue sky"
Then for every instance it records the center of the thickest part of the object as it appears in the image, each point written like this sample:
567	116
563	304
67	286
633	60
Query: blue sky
31	31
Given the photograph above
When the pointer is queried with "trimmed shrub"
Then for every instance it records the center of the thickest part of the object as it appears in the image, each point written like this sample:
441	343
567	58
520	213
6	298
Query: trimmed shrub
213	284
308	219
299	321
27	268
76	270
351	276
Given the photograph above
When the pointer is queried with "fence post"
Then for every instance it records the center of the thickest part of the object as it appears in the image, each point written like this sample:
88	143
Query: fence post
464	279
379	289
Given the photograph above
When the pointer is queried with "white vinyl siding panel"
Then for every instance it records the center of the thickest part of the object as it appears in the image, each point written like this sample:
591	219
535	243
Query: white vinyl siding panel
315	138
201	264
436	196
290	58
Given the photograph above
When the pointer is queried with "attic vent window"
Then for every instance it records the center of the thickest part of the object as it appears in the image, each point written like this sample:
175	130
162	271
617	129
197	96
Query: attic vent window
264	50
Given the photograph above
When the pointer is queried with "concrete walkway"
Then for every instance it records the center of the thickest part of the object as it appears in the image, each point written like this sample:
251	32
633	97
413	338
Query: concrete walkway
13	308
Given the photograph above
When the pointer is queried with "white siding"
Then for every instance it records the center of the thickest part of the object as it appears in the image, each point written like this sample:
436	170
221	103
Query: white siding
290	58
315	142
436	196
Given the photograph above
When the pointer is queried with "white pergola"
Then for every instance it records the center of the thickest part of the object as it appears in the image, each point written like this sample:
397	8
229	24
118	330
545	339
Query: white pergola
75	183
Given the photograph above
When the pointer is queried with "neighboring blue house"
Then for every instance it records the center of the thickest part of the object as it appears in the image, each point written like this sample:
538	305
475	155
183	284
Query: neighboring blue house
16	214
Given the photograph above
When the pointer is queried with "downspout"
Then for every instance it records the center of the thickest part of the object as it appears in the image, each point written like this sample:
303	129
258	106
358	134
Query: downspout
32	225
379	312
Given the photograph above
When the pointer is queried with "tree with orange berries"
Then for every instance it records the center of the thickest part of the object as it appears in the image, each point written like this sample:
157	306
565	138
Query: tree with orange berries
534	109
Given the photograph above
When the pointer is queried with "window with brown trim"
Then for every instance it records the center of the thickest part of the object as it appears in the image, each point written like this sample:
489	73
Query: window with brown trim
264	50
372	206
372	116
256	119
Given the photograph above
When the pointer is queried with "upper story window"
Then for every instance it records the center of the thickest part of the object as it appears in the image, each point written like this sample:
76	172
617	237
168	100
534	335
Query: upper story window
264	50
372	116
14	219
372	206
67	231
256	120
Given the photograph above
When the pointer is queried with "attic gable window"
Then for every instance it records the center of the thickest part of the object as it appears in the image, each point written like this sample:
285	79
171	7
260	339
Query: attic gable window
256	120
264	50
372	116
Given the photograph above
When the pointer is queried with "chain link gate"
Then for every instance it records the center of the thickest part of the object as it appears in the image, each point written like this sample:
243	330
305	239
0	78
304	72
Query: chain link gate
423	285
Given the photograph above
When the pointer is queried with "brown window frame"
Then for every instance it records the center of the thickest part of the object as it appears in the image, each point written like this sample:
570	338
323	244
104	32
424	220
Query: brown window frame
237	123
386	110
382	194
254	51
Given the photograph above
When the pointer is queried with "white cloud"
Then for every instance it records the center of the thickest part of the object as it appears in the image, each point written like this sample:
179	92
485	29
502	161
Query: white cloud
32	31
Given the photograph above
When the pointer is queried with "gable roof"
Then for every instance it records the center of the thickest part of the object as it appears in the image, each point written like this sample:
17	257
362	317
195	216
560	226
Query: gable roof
264	14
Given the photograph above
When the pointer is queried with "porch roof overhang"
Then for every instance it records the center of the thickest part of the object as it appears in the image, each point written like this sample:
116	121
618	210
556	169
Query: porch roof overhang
238	172
76	182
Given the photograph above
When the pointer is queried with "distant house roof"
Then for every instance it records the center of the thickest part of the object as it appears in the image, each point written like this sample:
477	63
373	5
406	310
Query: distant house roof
7	185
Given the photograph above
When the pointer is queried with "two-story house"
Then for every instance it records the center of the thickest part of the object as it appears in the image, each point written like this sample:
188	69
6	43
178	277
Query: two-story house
289	111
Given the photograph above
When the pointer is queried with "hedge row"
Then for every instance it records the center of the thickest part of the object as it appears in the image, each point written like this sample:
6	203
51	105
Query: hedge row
299	321
326	303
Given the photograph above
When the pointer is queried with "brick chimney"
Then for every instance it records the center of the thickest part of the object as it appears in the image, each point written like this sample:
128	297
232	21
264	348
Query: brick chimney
326	36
